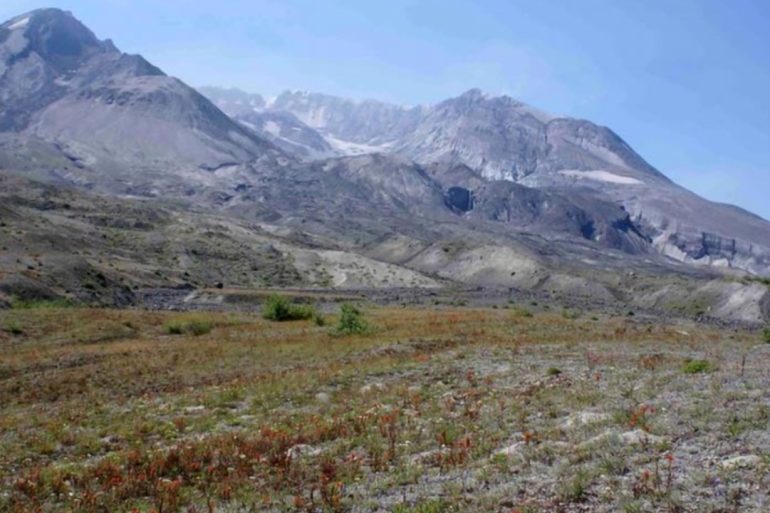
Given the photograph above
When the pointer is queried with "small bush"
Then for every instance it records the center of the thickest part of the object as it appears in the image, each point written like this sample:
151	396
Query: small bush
522	312
319	319
199	327
351	321
553	371
576	489
697	367
195	327
174	328
766	335
278	308
14	328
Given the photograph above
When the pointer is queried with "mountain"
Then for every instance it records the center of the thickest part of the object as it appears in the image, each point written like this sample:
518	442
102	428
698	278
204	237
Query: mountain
501	139
86	113
116	177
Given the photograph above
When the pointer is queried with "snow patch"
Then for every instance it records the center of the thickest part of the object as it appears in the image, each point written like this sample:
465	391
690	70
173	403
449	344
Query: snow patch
272	127
351	148
250	125
19	24
601	176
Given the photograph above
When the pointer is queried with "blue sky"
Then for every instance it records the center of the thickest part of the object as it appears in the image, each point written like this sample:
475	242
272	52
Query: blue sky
685	82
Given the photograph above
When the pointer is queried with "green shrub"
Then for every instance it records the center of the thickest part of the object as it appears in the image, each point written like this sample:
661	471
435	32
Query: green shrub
522	312
278	308
199	327
14	328
553	371
351	321
766	335
174	328
576	489
319	319
195	327
697	367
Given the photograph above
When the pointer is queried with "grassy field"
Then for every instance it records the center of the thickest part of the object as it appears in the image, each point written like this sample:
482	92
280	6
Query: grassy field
432	410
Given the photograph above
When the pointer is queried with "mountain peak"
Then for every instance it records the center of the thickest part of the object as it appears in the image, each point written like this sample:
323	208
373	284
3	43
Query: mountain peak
48	18
56	35
475	94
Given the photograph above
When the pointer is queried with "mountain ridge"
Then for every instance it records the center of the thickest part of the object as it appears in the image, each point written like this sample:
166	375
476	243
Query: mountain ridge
501	138
477	190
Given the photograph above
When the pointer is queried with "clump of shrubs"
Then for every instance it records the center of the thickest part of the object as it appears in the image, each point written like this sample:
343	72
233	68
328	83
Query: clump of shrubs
195	327
279	308
697	367
766	335
351	321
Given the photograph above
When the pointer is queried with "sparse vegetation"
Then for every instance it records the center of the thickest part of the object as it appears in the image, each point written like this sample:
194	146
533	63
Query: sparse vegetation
30	304
766	335
279	308
444	410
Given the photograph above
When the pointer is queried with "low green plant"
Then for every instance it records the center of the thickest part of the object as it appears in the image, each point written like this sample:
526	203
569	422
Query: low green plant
576	489
279	308
697	367
195	327
430	506
553	371
766	335
522	312
351	321
14	328
319	319
174	328
199	327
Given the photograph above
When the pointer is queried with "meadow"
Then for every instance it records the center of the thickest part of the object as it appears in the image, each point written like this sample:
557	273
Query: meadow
430	409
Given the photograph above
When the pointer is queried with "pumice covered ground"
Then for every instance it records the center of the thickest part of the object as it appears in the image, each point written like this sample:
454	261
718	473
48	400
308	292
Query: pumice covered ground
434	409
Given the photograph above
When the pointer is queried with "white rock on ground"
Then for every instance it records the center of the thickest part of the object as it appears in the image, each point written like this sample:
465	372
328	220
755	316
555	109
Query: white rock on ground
748	461
584	418
635	437
511	449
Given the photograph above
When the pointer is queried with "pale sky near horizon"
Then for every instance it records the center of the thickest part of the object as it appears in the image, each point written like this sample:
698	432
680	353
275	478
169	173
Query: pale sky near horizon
686	83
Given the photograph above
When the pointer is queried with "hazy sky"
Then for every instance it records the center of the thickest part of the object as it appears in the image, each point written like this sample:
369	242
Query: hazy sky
685	82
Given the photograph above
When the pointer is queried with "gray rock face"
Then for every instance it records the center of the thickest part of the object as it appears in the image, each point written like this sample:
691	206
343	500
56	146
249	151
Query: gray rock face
280	127
366	122
287	132
488	139
233	101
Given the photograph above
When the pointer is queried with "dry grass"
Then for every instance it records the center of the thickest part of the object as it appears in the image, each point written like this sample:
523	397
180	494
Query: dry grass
433	410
